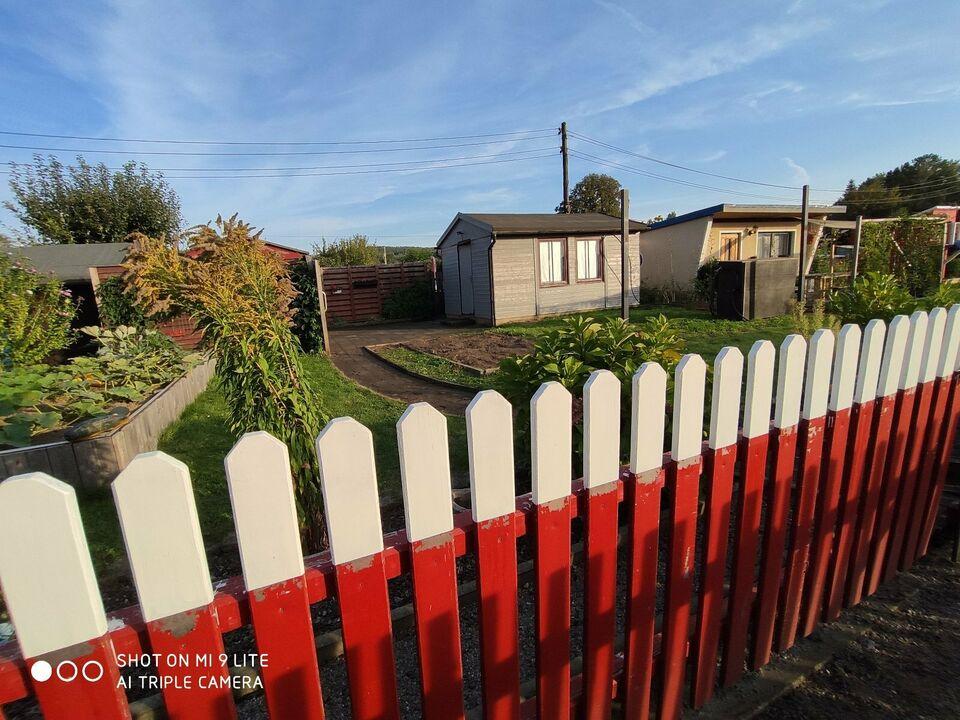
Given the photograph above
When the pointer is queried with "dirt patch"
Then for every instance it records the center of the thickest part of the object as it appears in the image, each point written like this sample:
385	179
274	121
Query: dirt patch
482	350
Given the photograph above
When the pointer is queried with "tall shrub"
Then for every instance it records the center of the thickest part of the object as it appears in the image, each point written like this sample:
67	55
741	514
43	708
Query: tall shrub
240	297
35	314
306	306
118	305
909	249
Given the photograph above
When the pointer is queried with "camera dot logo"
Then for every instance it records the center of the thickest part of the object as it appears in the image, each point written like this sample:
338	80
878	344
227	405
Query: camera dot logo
41	671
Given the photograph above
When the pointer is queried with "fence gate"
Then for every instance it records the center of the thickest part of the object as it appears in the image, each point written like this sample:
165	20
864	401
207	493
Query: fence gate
843	447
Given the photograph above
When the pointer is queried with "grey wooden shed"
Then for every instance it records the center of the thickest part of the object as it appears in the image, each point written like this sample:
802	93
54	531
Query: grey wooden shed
507	267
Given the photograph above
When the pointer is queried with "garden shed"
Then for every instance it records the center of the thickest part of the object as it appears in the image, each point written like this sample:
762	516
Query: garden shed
505	267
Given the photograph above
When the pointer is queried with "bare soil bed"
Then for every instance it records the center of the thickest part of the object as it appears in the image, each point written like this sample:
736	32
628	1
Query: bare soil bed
482	350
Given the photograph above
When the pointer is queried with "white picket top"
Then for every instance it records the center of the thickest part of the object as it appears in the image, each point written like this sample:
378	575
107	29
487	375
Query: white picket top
756	413
951	343
490	450
817	383
348	476
871	353
725	403
932	344
158	515
688	392
264	510
425	471
915	342
893	354
786	411
551	442
845	367
45	569
601	429
648	406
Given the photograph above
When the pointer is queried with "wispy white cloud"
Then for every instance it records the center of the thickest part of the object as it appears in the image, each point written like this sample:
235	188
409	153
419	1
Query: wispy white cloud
714	156
800	174
632	20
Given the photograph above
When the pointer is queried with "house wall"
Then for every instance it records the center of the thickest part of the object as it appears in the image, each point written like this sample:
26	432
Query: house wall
479	238
748	230
672	254
519	296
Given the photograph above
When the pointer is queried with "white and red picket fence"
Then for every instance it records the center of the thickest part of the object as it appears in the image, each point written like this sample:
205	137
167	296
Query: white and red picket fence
831	484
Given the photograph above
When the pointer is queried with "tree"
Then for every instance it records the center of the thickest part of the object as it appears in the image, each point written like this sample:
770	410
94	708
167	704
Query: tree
596	192
923	182
356	250
83	203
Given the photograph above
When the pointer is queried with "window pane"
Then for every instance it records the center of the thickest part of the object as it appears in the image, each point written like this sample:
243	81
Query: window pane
763	245
551	261
587	259
786	244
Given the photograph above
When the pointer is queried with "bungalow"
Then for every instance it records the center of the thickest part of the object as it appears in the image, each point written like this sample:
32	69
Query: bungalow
673	249
501	268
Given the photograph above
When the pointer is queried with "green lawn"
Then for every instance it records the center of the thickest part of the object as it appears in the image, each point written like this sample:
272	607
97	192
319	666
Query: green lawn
201	438
433	367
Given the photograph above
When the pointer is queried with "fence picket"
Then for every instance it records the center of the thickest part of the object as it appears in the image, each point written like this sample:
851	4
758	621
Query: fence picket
425	476
908	427
52	596
352	509
862	432
648	405
825	502
812	436
927	423
154	499
268	535
490	449
601	470
683	481
753	457
784	451
551	447
719	463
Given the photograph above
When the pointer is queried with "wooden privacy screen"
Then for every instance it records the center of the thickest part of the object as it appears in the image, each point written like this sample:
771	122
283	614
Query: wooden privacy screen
831	482
356	294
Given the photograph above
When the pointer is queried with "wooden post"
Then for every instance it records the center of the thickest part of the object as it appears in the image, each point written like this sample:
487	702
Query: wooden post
318	271
624	253
804	229
565	152
857	233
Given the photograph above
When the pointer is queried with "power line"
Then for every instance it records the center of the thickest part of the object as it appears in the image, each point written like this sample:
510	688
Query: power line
94	151
273	142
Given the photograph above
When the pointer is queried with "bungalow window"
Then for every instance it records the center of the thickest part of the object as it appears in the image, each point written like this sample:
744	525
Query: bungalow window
588	260
774	244
553	262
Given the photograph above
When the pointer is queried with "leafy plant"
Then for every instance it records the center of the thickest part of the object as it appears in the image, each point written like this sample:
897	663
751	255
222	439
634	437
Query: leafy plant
807	323
873	295
414	302
909	249
240	296
307	325
117	305
945	295
35	314
355	250
705	284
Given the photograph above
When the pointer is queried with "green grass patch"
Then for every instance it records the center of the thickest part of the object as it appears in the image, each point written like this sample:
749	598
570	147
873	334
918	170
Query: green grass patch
435	367
201	438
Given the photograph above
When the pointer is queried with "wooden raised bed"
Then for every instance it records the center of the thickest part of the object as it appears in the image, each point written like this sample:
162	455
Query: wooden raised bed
94	462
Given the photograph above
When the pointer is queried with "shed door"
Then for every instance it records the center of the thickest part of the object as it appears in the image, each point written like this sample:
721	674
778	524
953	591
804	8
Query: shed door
465	263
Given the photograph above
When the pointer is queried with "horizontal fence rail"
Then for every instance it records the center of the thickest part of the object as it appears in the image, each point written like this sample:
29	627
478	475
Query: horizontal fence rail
733	547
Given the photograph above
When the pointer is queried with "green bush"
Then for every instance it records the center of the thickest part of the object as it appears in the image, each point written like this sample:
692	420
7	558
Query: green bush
909	249
705	284
307	325
873	295
118	305
35	314
414	302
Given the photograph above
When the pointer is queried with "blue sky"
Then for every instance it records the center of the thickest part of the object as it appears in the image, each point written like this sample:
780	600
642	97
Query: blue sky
782	92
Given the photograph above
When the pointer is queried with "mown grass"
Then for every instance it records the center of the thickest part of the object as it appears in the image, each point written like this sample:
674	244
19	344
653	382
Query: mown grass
433	367
201	438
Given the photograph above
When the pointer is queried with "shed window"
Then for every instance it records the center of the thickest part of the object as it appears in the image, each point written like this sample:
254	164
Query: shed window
774	244
553	265
588	259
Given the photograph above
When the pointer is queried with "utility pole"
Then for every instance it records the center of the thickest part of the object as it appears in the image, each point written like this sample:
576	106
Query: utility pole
856	249
624	253
804	228
566	167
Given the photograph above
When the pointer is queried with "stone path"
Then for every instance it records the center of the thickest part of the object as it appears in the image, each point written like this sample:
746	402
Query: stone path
359	365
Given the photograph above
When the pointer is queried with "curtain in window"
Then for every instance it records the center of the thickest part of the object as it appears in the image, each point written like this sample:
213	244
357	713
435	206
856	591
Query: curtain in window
551	261
588	259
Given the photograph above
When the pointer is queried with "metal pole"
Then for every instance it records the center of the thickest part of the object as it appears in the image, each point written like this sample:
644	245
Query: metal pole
858	230
566	167
624	253
804	228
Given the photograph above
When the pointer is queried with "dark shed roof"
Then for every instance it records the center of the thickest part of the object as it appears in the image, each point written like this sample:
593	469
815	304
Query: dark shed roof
71	262
547	223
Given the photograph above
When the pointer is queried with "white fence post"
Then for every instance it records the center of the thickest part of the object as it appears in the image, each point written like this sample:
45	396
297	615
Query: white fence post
647	419
725	402
551	443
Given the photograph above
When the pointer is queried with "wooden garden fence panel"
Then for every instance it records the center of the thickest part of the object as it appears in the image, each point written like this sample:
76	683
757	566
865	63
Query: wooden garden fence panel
842	451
